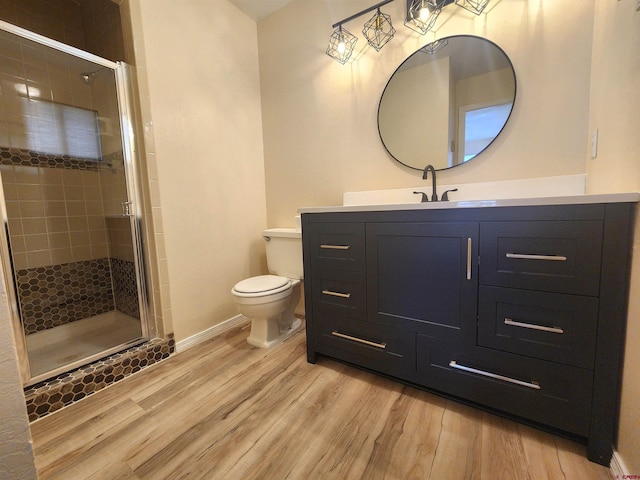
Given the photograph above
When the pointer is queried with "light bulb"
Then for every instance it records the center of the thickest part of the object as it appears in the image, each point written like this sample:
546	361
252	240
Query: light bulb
342	47
424	14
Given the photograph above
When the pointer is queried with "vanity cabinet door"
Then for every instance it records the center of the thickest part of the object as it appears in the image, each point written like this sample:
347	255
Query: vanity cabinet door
422	277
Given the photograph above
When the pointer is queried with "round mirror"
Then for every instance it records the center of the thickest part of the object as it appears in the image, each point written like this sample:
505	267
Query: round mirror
446	102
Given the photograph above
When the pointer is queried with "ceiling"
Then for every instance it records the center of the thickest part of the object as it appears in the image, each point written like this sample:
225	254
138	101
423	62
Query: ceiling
259	9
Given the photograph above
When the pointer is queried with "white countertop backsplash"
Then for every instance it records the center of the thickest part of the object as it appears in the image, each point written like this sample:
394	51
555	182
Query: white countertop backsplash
560	190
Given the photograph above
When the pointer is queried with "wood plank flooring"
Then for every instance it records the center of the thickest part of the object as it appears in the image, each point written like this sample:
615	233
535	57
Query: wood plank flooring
226	410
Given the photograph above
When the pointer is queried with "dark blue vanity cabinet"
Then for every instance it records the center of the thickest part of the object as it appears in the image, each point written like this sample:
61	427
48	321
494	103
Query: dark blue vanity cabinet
518	309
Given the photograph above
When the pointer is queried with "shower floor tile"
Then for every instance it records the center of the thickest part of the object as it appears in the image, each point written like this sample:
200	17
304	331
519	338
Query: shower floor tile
69	343
67	388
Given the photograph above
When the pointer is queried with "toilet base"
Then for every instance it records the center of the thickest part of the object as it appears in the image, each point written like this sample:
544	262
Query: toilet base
263	335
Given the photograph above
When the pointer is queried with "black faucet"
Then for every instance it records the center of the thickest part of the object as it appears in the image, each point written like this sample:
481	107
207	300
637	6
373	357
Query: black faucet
425	197
427	169
445	195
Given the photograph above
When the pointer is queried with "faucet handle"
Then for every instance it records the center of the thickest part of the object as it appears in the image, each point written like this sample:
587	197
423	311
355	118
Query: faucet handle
445	195
425	198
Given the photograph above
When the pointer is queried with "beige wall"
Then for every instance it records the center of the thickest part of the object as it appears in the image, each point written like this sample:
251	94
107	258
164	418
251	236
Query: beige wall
615	112
487	88
319	117
199	79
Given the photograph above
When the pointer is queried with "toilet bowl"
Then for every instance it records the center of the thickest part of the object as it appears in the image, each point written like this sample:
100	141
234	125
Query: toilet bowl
269	301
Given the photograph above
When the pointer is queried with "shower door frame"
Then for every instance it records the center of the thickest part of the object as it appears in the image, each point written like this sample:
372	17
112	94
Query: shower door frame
133	210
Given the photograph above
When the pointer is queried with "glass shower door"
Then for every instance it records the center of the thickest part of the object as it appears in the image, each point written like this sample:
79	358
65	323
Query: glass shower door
67	177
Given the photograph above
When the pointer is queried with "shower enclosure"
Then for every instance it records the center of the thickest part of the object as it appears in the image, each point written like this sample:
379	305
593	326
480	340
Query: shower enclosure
71	253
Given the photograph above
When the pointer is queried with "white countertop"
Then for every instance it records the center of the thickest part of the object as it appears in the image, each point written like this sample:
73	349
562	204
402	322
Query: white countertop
509	202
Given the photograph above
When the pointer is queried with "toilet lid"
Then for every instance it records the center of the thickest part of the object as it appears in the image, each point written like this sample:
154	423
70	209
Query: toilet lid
262	284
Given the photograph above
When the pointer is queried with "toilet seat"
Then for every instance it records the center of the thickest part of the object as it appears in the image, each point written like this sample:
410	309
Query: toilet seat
261	286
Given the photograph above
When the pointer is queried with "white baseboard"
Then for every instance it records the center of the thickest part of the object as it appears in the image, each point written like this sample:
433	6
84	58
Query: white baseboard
214	331
618	468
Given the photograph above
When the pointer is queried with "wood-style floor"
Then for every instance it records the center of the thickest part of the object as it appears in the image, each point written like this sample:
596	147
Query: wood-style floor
225	410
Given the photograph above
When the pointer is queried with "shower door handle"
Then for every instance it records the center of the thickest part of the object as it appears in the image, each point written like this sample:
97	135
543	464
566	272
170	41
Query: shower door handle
126	209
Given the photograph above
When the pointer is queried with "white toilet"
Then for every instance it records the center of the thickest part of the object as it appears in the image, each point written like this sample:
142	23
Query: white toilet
270	300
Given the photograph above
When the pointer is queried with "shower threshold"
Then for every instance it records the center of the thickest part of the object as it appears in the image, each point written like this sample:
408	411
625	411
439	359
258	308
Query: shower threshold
68	346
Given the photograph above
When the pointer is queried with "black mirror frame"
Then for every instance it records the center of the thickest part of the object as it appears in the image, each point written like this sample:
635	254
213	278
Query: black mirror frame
515	91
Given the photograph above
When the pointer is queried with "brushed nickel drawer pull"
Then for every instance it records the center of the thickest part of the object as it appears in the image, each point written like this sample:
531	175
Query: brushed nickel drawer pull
336	294
335	247
532	326
469	258
556	258
359	340
534	385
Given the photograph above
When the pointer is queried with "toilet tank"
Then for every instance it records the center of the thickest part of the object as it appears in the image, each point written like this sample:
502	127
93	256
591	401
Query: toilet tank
284	251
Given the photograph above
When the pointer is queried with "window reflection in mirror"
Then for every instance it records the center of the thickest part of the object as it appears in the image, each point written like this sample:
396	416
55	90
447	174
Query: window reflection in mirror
445	107
479	125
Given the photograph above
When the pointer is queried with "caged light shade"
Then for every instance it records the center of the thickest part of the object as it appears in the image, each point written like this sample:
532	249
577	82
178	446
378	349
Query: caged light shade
378	30
475	6
433	47
341	45
422	14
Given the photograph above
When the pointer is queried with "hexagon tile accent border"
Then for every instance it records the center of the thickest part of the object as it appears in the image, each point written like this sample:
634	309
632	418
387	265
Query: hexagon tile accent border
58	392
32	158
60	294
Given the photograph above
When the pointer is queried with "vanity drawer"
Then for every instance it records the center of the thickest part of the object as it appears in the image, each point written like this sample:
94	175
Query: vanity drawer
339	292
551	256
550	326
384	349
338	246
552	394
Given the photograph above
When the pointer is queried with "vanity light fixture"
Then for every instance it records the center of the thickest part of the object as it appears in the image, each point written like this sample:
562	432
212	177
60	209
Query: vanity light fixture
341	44
474	6
422	14
378	30
433	47
421	17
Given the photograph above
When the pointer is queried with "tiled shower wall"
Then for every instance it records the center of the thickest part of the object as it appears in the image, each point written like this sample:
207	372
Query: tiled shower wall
67	266
68	21
55	215
123	269
94	26
91	25
60	294
74	188
57	205
57	19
